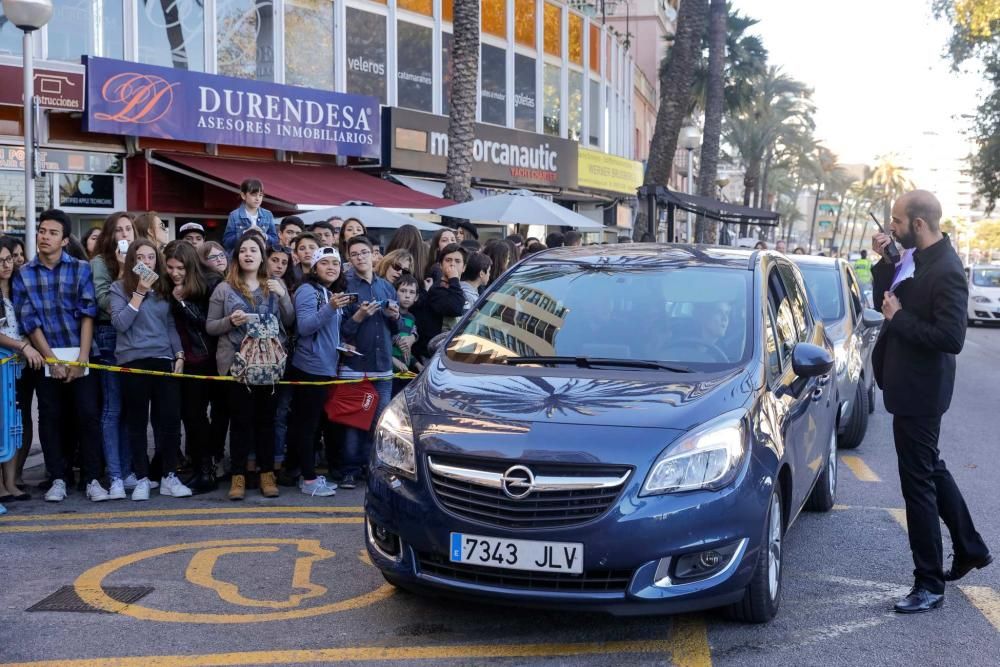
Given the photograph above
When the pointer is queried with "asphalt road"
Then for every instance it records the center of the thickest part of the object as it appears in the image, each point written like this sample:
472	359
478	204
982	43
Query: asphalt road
286	582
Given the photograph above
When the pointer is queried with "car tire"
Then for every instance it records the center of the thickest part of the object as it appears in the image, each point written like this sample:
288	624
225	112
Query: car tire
858	425
824	493
763	594
871	399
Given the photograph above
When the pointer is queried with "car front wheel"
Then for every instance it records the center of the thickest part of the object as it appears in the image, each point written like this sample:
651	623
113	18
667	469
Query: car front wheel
824	494
763	593
854	433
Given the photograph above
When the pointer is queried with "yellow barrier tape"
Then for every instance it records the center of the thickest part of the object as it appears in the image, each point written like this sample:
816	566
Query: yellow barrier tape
216	378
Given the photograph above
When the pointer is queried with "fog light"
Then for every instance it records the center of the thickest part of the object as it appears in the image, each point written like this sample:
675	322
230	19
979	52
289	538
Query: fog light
385	541
697	565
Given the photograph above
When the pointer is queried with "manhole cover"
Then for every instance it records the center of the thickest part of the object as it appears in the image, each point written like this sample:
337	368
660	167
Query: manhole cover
66	599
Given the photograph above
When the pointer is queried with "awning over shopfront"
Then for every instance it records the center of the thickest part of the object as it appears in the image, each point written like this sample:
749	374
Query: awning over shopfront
298	186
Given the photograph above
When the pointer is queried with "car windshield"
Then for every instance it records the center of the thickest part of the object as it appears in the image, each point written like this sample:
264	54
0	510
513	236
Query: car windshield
986	277
823	287
678	317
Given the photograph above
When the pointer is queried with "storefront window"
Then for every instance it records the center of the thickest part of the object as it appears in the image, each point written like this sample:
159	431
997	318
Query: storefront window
446	72
172	34
414	57
553	30
574	105
366	54
524	92
10	36
91	27
596	117
447	10
309	58
595	49
576	39
494	17
425	7
493	100
552	99
524	22
245	33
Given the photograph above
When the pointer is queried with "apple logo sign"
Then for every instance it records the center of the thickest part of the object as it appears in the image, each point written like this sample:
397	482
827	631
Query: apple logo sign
85	186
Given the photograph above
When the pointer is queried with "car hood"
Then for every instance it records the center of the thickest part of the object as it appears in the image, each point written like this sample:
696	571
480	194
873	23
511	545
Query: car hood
677	401
991	292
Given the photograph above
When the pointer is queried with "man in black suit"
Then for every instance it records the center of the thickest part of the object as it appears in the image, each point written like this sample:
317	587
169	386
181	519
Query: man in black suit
914	364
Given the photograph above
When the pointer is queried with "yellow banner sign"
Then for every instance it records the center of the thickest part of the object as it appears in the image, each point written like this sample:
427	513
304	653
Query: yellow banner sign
611	173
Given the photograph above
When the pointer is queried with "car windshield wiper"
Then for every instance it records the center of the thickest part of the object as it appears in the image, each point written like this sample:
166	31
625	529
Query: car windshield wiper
590	362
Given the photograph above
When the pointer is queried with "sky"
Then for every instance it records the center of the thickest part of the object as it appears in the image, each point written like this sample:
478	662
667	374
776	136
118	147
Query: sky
878	73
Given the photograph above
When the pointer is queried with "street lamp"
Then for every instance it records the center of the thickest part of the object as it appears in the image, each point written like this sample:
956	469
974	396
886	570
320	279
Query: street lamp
29	16
690	140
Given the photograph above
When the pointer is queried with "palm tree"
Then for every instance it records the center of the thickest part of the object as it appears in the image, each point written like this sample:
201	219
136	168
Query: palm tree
462	121
714	101
780	106
890	181
676	79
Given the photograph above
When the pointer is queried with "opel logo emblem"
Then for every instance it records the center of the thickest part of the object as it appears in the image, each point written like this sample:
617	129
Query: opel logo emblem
518	482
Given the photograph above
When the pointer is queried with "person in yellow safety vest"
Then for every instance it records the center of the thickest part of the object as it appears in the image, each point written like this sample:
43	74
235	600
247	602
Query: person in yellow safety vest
863	268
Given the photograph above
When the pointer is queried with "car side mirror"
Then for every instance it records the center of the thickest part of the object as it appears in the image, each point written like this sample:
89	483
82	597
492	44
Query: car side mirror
811	360
871	318
435	343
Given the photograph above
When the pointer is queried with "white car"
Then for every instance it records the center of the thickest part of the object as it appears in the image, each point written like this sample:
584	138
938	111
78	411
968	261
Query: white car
984	293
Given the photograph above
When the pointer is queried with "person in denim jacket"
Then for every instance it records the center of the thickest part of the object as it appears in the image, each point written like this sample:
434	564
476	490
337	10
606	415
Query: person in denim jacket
250	215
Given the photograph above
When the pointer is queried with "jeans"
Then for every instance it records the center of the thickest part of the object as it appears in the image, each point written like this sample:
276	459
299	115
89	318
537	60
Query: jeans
144	394
195	396
113	425
281	421
929	492
358	443
307	418
251	411
57	400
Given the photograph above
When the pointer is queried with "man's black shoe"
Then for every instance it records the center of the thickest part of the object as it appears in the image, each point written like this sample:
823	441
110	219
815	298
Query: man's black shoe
918	601
962	566
348	482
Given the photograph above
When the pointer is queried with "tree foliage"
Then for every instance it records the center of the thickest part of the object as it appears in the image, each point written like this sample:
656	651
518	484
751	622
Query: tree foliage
976	35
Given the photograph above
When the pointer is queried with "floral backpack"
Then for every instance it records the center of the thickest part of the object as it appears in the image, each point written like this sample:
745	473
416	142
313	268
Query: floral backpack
261	359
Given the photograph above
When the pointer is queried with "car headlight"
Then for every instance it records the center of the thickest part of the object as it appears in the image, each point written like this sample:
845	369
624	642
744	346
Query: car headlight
394	439
708	457
981	299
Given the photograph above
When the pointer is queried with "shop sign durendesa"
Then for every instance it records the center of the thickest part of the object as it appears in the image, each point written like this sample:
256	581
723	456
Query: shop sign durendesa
145	100
418	142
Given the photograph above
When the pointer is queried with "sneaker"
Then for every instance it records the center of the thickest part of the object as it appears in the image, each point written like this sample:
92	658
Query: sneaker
57	492
171	486
141	490
96	492
131	482
349	482
318	487
117	490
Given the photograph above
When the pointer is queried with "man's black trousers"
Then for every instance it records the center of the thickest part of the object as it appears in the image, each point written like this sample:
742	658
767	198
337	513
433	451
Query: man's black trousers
929	491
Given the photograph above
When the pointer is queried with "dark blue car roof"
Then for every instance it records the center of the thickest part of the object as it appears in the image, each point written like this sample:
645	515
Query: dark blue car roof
649	254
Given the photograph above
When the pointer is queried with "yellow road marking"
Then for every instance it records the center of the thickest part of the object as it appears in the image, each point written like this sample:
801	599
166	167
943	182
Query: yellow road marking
370	653
182	512
860	469
899	516
185	523
689	642
89	586
986	600
200	571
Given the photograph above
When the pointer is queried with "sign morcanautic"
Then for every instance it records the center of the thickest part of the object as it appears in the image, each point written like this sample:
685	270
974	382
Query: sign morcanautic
144	100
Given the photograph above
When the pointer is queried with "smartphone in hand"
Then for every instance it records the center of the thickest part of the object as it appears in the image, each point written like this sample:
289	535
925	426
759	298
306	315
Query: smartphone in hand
144	272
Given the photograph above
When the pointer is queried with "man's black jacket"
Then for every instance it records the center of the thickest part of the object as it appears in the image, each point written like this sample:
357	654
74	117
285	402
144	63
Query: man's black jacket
914	358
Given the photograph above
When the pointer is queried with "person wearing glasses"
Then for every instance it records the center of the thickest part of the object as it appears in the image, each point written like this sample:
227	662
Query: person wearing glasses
394	265
213	258
370	325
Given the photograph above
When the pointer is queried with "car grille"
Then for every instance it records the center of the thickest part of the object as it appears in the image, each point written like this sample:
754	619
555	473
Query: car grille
554	508
604	581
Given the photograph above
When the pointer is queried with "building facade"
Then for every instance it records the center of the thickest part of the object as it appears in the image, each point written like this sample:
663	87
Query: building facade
546	69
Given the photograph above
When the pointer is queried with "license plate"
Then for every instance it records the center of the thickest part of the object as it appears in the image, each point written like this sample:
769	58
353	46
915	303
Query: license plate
532	555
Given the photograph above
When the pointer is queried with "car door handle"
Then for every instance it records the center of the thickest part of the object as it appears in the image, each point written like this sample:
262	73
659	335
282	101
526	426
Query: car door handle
817	392
823	380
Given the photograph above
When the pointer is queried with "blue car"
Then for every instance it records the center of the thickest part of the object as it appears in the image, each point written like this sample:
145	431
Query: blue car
627	428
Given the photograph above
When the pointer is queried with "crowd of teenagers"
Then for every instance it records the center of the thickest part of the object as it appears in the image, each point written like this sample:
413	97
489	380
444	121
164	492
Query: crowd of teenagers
338	306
